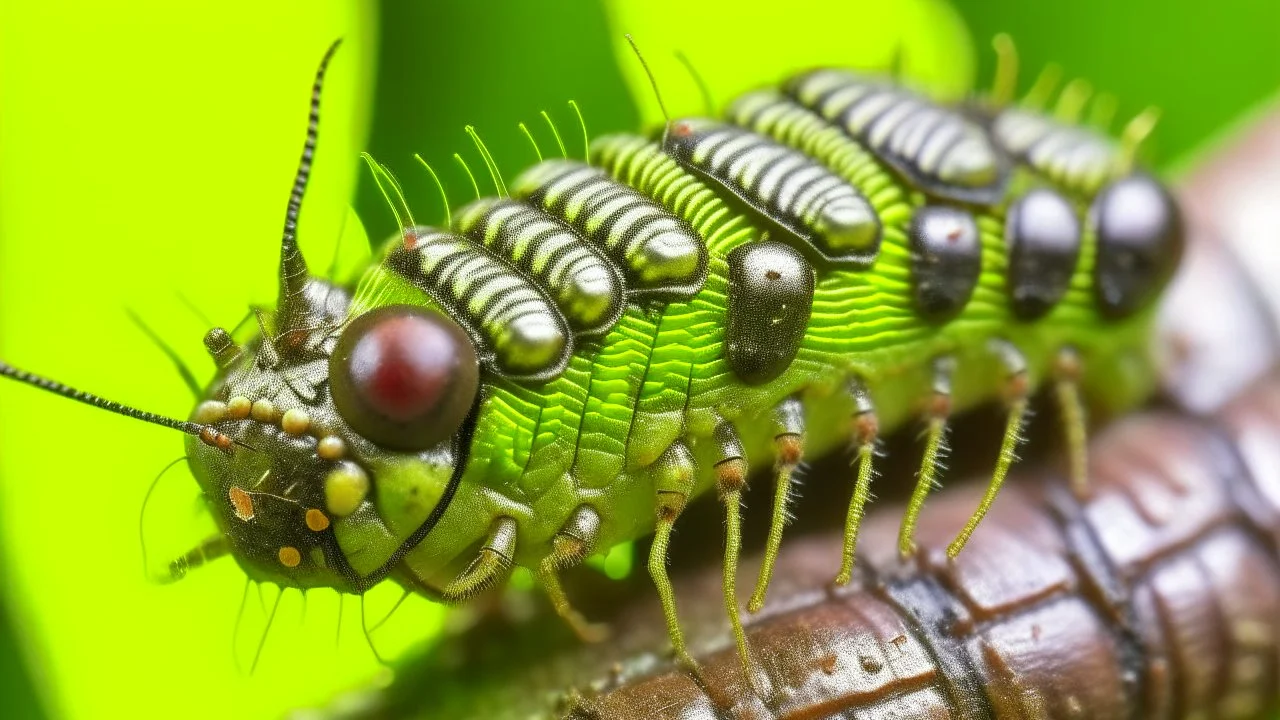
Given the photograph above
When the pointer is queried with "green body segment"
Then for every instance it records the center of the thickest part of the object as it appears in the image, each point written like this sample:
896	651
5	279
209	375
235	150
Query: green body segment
593	434
507	316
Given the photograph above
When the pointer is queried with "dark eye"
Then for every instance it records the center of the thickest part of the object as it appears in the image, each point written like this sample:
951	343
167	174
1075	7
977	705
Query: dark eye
404	377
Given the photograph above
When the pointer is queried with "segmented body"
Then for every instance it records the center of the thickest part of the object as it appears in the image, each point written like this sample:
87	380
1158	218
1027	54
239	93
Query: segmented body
638	406
565	369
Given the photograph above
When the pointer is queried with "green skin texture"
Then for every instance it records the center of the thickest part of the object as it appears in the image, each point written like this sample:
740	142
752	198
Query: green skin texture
593	435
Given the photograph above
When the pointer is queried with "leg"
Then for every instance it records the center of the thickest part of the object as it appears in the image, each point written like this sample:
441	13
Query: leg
210	548
731	478
1015	397
939	407
1067	390
569	547
673	478
490	565
788	443
866	428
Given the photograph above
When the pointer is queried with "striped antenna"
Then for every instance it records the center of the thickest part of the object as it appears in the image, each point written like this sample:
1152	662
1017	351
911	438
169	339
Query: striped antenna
207	434
293	267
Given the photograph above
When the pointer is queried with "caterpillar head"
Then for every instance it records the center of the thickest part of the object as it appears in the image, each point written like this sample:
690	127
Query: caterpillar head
330	444
342	435
347	440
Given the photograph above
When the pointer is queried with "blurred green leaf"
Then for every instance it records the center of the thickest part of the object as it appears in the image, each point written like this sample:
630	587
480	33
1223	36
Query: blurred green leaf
1203	64
147	150
451	63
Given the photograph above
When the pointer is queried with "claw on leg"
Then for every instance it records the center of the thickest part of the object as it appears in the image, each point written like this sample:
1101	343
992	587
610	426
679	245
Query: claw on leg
1067	390
489	566
788	450
1015	396
936	413
866	429
569	547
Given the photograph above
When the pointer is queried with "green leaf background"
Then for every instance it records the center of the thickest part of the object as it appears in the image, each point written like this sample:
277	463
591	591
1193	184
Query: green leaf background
145	154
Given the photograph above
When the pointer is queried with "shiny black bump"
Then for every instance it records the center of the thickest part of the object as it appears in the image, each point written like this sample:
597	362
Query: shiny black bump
770	297
1140	241
1042	234
946	258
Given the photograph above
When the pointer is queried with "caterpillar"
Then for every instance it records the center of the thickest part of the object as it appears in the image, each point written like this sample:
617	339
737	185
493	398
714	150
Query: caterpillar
1176	495
564	367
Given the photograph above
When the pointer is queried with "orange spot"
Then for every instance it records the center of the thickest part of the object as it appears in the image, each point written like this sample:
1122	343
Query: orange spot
790	449
681	130
866	428
290	557
317	520
410	239
731	474
213	438
940	405
242	502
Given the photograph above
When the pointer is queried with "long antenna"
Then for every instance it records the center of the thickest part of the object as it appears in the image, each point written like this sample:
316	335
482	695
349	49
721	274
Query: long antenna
708	104
653	82
207	434
293	267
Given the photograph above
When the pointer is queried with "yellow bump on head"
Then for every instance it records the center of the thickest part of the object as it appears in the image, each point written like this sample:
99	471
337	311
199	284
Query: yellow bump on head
331	447
263	411
345	489
211	411
290	557
242	502
295	421
238	407
317	520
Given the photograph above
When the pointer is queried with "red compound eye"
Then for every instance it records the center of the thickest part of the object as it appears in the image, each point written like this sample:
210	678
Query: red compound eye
404	377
